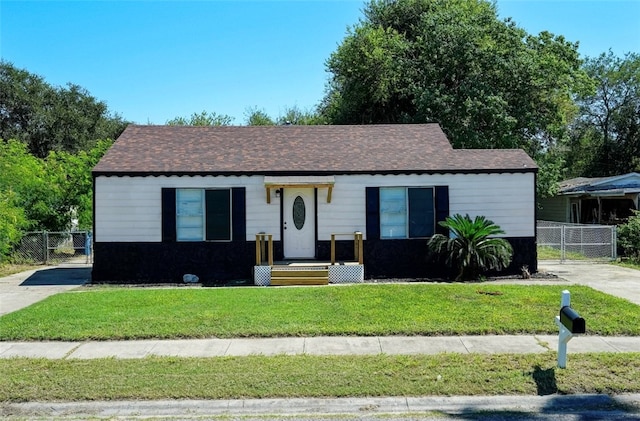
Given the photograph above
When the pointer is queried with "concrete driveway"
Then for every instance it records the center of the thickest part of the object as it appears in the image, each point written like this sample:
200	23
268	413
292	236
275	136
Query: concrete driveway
610	279
25	288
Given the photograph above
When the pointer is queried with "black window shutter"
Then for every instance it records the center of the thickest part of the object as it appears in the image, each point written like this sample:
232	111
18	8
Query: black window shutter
239	213
442	208
373	213
168	215
218	210
421	212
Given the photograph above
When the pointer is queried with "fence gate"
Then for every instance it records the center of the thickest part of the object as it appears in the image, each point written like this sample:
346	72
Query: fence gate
44	247
578	241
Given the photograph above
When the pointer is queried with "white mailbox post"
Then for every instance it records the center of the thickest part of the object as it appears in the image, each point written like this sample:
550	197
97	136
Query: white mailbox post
569	322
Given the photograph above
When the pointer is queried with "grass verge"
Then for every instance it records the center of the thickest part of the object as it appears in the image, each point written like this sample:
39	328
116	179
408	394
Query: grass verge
7	269
628	264
315	376
365	309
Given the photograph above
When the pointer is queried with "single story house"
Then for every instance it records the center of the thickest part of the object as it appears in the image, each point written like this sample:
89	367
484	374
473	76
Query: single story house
172	200
601	200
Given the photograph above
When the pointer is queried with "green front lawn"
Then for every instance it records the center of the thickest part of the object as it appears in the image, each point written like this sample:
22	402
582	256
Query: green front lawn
365	309
368	309
315	376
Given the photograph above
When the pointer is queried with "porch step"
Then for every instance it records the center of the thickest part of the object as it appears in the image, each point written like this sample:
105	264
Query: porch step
299	276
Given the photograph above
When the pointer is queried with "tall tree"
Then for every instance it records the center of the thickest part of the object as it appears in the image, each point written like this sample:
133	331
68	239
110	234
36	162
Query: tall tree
48	118
45	193
605	138
202	119
295	115
258	117
36	193
292	115
71	173
486	81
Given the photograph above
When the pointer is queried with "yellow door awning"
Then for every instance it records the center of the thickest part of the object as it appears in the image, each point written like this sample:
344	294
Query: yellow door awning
272	182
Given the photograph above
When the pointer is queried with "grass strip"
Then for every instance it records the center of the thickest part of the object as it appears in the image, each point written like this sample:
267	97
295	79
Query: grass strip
315	376
631	264
550	253
365	309
7	269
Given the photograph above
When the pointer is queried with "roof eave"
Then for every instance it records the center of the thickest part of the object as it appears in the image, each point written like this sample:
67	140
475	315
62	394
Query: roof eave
311	173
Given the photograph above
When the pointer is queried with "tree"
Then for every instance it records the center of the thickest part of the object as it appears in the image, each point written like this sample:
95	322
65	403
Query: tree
471	248
551	164
202	119
12	222
24	177
297	116
258	117
72	174
38	194
605	137
48	118
292	115
486	81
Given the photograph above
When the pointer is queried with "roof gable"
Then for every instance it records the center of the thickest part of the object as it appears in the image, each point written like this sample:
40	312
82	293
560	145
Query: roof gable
227	150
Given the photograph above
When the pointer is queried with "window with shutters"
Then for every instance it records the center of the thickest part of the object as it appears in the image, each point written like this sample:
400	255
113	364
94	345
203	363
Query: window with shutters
407	212
203	215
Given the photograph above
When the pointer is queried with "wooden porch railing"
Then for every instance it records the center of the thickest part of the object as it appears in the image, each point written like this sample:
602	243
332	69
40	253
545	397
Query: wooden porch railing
264	249
358	251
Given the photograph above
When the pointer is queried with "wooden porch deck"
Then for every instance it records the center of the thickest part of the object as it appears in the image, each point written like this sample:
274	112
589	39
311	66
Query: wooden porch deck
306	271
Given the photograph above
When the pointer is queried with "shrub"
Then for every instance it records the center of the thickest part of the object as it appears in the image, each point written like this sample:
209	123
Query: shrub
471	248
12	222
629	237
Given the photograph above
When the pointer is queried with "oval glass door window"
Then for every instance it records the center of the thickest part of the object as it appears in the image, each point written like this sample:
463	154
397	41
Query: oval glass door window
299	212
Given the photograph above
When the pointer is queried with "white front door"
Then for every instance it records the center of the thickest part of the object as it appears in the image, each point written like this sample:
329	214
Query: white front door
299	210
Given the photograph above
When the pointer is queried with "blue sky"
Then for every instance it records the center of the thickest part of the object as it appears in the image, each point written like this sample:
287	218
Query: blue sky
151	61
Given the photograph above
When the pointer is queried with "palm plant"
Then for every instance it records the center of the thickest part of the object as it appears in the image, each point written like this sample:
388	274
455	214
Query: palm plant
471	246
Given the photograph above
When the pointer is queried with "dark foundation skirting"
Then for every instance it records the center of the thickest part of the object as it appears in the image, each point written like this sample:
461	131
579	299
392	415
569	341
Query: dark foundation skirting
219	263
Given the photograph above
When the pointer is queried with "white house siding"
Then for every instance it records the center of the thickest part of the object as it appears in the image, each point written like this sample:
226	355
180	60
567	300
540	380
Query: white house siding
506	199
129	209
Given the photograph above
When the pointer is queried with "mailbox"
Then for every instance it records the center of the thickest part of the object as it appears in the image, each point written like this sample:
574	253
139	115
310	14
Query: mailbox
572	320
569	322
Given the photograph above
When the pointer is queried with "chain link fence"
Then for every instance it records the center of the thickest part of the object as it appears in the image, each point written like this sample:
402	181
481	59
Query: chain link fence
566	241
50	248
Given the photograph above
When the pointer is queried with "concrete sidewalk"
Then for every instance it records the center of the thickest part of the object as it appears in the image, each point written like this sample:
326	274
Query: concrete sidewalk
334	345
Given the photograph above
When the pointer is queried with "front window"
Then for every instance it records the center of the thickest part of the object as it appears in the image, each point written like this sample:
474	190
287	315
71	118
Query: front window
203	215
406	212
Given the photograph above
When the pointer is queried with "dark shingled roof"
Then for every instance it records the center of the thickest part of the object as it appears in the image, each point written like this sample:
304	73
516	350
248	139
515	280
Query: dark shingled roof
392	148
